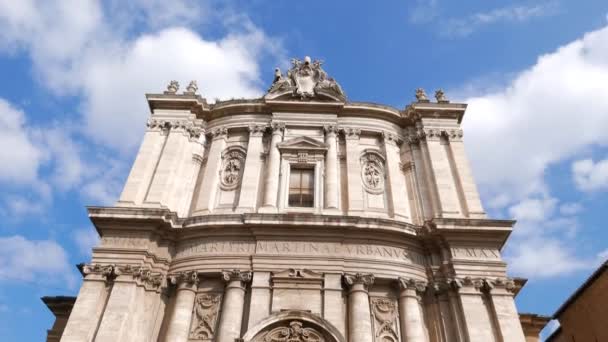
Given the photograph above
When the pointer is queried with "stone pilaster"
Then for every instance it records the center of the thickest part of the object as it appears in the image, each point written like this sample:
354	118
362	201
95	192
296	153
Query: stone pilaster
88	308
359	315
259	307
353	171
170	161
271	179
209	186
142	171
333	302
233	306
123	313
410	310
421	175
251	173
475	313
469	194
198	153
399	197
331	167
442	174
179	322
505	313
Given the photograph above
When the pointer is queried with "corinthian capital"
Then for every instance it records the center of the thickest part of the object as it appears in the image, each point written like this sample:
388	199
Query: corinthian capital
277	127
412	284
467	283
106	271
453	134
330	129
257	130
391	139
366	280
351	133
219	133
236	275
187	277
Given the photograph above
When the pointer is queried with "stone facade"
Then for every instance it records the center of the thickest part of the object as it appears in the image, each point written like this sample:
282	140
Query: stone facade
299	216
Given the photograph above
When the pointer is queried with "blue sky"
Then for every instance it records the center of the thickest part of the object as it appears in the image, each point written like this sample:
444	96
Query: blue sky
72	113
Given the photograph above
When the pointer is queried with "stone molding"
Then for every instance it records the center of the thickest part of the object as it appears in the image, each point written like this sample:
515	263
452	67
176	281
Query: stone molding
365	279
477	284
106	271
296	331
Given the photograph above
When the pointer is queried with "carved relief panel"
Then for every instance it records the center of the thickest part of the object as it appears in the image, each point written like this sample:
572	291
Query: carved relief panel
384	319
205	317
296	331
373	177
233	163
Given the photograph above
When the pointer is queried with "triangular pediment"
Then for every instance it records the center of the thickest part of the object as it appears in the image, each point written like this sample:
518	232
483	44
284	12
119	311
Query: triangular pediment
302	143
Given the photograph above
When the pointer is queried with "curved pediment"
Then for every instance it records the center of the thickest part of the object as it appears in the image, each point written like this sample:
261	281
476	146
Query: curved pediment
305	80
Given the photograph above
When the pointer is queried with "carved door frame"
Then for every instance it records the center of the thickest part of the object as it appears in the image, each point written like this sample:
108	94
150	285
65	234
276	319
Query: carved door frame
284	318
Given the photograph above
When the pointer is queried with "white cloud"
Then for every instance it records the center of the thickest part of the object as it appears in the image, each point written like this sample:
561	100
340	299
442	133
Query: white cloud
541	257
19	155
109	54
38	261
530	122
424	11
102	54
589	175
85	239
570	208
533	209
461	27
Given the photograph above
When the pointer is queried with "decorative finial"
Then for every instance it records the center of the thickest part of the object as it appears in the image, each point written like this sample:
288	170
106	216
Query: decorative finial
192	88
440	96
172	88
421	95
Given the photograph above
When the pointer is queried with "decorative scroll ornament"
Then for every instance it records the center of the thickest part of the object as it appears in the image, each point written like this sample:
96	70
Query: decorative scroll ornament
205	316
295	332
306	79
384	311
372	173
232	169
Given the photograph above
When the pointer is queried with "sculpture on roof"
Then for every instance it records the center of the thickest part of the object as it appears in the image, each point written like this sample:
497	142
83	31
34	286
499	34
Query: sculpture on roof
305	79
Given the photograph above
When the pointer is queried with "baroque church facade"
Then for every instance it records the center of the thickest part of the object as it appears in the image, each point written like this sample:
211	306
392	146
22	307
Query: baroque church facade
297	217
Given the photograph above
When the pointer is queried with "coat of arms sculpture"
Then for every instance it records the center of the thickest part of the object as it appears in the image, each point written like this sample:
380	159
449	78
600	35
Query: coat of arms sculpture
306	80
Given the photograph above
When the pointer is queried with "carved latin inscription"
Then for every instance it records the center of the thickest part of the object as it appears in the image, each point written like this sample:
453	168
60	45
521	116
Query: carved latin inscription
204	318
475	253
335	249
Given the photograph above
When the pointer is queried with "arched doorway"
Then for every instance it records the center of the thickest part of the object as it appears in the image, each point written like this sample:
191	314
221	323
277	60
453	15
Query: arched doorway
293	326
